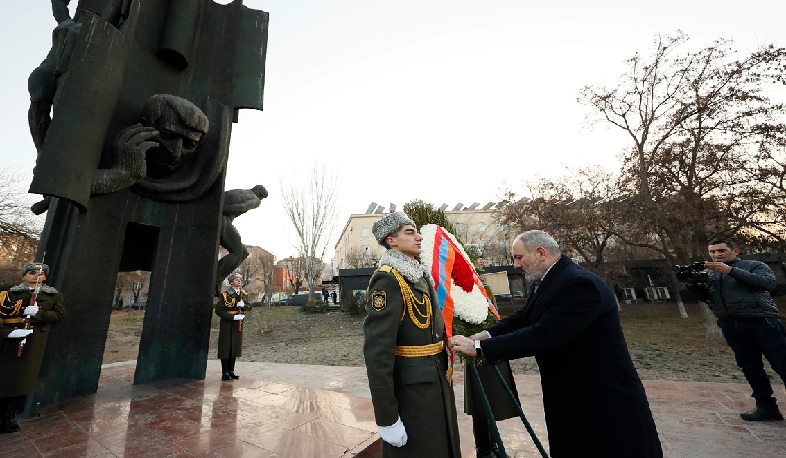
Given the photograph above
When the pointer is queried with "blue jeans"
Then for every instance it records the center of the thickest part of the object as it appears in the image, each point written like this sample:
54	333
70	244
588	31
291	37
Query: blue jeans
750	339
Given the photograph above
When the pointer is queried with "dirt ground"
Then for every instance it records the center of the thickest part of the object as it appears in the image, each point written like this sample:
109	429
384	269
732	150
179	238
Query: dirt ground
663	345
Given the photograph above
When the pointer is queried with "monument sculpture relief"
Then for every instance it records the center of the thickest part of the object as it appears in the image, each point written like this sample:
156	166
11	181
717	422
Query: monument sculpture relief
236	202
142	97
160	153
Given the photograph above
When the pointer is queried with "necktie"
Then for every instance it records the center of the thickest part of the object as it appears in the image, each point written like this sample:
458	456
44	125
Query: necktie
534	287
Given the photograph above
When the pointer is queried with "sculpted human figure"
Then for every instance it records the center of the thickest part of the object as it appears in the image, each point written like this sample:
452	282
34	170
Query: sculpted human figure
236	202
45	80
160	152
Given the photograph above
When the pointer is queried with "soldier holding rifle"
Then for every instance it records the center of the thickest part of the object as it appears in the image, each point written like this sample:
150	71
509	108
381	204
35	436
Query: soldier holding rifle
27	310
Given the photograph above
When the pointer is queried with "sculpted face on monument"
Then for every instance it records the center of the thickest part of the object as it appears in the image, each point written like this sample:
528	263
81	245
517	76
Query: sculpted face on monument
163	156
180	126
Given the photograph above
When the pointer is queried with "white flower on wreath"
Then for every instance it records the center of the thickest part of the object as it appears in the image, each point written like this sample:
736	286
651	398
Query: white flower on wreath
472	306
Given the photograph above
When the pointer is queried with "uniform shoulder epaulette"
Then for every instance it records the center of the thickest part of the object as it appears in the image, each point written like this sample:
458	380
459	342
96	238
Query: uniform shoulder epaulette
385	268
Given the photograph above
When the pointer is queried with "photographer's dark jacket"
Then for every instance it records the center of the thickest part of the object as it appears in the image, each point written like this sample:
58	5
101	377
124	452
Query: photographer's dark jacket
742	293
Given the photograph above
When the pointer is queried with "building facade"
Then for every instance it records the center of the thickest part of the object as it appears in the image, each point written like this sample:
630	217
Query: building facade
477	228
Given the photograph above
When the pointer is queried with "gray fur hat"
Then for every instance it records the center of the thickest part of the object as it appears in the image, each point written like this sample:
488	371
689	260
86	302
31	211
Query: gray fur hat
233	276
34	266
389	224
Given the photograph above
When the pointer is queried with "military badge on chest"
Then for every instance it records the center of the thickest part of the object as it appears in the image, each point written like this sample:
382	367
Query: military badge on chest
378	301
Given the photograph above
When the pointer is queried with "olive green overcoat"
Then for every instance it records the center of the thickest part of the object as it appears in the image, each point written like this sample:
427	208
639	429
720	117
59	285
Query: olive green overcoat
413	388
499	399
18	375
230	335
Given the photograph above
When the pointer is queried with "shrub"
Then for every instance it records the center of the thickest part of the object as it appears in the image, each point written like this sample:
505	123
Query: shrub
315	306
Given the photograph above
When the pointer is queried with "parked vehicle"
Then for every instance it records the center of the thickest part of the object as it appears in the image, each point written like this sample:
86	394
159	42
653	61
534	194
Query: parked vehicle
278	299
297	299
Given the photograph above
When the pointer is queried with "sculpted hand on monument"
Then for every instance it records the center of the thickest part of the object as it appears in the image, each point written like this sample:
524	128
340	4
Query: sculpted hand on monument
19	333
130	148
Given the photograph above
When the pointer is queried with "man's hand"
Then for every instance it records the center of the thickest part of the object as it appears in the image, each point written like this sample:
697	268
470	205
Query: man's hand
239	317
717	267
19	333
480	335
394	434
463	345
30	310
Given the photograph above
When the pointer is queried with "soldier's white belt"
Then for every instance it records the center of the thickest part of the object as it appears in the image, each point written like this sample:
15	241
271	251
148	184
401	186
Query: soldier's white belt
412	351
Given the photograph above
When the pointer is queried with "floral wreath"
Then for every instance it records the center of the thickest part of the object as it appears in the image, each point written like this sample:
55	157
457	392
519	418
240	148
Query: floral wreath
466	304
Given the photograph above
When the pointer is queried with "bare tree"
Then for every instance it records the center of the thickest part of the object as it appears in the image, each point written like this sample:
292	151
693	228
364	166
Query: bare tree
693	119
357	258
15	215
19	228
294	269
312	210
133	283
257	271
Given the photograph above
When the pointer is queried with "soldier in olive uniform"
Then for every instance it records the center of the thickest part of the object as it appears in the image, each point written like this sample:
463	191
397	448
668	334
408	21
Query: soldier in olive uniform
231	309
27	310
404	349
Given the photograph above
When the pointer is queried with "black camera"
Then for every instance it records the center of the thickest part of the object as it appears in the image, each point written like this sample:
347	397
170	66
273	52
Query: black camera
693	273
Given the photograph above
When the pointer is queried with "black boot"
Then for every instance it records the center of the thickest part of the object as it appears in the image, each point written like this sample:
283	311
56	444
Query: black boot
232	369
760	413
480	453
8	422
225	370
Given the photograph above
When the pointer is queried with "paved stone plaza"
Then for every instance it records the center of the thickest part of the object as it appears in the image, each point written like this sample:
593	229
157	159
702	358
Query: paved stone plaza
294	410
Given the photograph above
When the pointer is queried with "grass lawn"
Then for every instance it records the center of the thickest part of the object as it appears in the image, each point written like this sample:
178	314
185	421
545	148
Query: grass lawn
663	345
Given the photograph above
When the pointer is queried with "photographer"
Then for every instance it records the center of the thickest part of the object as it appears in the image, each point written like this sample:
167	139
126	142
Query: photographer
738	292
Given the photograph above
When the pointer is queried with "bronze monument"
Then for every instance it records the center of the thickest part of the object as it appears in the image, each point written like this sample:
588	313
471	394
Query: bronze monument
133	163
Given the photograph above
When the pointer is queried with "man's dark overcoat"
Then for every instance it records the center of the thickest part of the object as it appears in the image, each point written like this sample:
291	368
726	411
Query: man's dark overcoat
414	388
18	375
594	401
230	335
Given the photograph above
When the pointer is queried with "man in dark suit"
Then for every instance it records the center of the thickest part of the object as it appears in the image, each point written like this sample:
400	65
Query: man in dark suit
594	401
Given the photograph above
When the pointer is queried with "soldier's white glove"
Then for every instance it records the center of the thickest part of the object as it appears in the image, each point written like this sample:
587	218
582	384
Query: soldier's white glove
30	310
241	304
239	317
19	333
394	434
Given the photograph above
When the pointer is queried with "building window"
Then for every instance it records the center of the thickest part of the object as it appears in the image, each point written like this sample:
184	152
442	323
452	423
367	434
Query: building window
481	227
461	228
500	227
364	232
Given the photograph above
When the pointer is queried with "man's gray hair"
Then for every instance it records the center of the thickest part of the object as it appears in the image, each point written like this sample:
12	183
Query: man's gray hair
535	238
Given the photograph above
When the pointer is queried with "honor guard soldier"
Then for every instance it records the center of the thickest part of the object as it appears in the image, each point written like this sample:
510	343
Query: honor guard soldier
27	310
404	349
231	308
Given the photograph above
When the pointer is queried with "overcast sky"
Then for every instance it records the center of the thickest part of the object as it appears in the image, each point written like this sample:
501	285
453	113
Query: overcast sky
446	101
